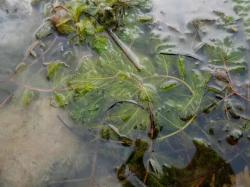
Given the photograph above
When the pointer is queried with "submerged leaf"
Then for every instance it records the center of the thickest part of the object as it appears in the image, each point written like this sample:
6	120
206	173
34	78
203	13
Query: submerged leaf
60	99
27	97
169	85
156	167
181	67
53	68
85	27
147	93
100	43
146	19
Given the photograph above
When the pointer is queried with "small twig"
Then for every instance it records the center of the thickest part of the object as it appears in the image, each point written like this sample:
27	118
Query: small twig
30	50
43	90
153	132
241	96
126	50
225	107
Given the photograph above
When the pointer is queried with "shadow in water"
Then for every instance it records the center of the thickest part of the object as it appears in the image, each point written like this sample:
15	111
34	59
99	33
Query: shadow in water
206	168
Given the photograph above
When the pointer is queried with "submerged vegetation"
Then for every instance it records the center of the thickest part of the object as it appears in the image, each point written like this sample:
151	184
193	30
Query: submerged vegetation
140	97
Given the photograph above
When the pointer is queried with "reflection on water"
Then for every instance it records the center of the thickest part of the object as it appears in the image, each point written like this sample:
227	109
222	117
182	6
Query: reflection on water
40	146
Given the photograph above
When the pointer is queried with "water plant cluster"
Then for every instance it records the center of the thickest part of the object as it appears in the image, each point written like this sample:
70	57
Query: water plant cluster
137	99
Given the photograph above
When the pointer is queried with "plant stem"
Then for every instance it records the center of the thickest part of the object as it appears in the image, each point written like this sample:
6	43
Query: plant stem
126	50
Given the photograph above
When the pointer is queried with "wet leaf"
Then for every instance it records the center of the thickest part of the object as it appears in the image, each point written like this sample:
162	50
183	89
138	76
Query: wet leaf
146	19
169	85
65	28
53	68
76	9
60	99
85	27
181	67
100	43
27	97
147	92
156	167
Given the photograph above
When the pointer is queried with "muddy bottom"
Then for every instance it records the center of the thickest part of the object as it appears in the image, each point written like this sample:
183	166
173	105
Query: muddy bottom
33	145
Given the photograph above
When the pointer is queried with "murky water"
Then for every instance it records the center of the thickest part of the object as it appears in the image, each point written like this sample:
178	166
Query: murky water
41	146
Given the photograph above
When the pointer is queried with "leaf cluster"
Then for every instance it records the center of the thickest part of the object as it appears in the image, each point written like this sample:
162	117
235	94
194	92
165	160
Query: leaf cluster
109	91
87	21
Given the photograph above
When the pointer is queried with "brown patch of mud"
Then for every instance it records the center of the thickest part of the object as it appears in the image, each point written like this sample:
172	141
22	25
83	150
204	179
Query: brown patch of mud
32	142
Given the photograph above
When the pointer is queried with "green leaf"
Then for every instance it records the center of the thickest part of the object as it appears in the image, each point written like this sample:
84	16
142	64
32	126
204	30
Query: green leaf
53	68
85	27
81	88
27	97
60	99
100	43
147	92
156	167
146	19
181	67
76	10
169	85
65	27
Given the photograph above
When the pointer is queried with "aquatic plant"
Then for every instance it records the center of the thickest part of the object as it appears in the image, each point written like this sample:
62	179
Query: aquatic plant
88	21
157	96
151	100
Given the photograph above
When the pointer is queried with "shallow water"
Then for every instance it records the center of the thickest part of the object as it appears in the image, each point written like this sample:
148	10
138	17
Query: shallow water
34	143
41	146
